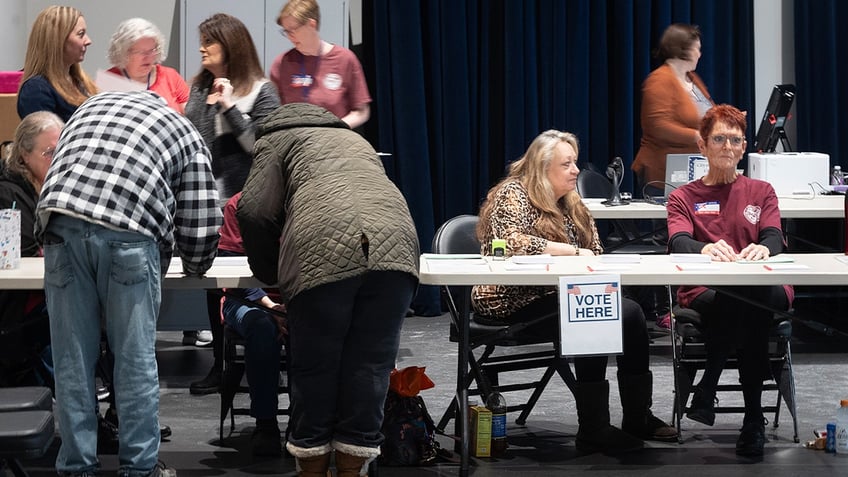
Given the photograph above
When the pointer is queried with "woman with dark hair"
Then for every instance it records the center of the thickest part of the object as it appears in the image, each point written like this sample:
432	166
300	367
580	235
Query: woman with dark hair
228	98
53	78
674	99
537	210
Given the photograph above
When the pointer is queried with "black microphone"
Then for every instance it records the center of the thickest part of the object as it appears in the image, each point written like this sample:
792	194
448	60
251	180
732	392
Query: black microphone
615	173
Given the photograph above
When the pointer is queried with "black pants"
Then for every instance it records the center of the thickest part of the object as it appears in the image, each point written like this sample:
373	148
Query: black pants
733	325
633	361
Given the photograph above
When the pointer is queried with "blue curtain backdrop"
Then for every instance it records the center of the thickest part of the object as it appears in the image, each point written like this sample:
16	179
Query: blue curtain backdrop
461	87
821	62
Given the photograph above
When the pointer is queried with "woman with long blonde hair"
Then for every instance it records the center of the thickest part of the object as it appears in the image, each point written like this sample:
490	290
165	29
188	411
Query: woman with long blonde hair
536	209
53	78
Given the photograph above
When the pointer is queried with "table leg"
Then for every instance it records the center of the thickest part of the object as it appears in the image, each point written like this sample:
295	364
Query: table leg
462	379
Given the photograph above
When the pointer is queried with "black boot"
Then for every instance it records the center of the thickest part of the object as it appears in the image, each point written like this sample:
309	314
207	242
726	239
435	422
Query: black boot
752	439
702	408
639	421
594	432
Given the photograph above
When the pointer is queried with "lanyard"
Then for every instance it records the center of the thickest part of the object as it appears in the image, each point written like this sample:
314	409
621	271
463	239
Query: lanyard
148	77
307	86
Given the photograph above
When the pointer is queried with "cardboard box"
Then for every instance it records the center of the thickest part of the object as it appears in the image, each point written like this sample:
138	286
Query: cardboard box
481	431
791	173
8	116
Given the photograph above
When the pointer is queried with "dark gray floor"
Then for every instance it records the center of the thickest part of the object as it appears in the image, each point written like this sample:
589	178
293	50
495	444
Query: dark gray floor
545	445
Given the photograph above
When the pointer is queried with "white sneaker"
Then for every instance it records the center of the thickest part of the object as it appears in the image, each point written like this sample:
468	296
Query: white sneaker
204	338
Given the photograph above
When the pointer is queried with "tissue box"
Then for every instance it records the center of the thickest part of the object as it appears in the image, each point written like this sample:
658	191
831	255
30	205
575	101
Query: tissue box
790	173
10	238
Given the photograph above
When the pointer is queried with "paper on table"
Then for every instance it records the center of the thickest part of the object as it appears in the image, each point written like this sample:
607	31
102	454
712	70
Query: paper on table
689	258
842	258
458	265
512	266
541	258
450	256
621	258
107	81
775	259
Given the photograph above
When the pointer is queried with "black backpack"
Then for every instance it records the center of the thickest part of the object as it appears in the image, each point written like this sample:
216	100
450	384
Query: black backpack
409	431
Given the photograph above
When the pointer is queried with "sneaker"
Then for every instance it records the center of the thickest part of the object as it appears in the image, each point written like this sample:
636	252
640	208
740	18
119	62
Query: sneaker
209	385
265	442
204	338
161	470
702	408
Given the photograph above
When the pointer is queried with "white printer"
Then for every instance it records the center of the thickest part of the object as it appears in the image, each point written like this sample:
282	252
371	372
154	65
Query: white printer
791	173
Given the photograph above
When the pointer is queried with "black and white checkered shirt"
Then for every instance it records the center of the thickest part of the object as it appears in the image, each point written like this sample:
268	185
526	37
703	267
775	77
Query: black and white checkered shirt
129	162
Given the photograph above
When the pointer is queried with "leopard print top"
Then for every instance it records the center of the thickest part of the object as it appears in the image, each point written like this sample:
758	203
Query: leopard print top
514	219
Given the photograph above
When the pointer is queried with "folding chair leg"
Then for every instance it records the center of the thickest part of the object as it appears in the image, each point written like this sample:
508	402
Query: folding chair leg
230	381
531	403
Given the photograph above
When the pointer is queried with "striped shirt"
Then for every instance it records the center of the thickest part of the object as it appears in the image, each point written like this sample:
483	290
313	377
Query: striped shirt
127	161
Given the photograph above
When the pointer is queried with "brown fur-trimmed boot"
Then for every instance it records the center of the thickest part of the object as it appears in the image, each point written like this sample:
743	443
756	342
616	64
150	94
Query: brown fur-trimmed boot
314	466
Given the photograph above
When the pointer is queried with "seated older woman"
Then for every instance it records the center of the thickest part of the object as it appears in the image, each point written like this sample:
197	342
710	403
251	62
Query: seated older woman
729	217
537	209
136	50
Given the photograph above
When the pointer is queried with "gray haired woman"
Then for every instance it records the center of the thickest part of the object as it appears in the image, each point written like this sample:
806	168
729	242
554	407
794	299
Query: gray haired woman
136	51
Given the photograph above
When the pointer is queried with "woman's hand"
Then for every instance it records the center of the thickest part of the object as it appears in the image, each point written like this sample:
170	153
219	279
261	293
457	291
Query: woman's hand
719	251
754	252
221	93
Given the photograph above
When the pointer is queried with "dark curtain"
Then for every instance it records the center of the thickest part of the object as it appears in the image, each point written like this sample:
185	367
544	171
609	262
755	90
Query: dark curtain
821	59
461	87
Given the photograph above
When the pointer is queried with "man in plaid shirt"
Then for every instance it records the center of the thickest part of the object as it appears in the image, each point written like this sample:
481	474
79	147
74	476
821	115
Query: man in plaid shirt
129	183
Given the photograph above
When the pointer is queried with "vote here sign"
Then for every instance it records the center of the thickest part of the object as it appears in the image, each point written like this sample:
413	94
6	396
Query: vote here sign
590	315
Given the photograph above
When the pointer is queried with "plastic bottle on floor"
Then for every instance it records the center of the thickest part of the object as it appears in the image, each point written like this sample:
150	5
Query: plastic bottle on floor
842	429
497	404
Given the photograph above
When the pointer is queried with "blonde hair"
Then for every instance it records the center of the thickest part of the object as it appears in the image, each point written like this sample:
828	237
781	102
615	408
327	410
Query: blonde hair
302	11
24	142
129	32
531	170
45	54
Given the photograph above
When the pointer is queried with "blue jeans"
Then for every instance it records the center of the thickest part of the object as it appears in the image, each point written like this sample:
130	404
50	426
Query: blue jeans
261	355
92	273
343	342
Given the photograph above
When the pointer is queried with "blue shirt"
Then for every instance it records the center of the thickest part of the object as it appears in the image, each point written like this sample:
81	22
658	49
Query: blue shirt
37	94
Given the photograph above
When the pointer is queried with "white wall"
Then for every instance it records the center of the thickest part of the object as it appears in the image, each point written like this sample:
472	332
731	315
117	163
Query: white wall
774	55
103	16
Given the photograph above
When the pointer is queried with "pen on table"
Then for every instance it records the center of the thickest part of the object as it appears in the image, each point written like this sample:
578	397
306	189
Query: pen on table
547	267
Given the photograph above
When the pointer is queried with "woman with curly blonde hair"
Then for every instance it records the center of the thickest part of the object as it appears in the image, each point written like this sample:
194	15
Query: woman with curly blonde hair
536	209
53	78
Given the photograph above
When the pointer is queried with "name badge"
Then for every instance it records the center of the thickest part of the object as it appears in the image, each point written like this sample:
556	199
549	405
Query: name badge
301	81
708	208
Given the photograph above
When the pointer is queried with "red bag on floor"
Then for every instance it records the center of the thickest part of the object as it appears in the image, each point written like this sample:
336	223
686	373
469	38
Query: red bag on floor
407	426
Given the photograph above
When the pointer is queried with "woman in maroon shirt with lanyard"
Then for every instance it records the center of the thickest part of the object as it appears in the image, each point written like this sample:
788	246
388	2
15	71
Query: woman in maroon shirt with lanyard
730	218
318	72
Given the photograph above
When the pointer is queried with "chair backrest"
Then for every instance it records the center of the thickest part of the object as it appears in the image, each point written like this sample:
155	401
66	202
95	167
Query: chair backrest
593	185
457	235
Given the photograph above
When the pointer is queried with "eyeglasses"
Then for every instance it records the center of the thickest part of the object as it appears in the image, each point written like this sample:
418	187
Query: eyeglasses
48	153
720	139
286	32
145	53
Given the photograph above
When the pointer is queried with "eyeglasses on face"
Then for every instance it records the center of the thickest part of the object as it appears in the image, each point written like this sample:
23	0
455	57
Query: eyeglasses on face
290	31
48	153
720	139
146	53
